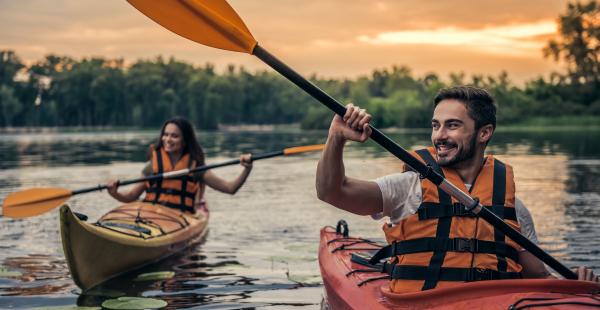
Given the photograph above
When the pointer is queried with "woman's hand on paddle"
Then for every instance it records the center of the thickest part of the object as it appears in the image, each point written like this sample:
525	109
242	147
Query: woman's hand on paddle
353	126
246	160
112	188
586	274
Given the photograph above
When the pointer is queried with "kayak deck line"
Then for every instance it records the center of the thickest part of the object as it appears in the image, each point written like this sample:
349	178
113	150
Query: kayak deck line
95	253
351	282
148	230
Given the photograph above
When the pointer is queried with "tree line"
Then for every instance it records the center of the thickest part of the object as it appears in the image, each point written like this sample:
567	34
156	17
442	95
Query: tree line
63	91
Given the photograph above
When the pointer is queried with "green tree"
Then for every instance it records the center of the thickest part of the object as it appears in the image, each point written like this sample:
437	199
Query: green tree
10	65
578	46
144	85
579	42
9	106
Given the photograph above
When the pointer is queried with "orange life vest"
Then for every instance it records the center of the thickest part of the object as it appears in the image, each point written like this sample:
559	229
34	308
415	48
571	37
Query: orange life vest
443	245
178	193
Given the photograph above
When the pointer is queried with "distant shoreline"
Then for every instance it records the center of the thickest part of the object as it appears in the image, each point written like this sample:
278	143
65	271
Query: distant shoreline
533	124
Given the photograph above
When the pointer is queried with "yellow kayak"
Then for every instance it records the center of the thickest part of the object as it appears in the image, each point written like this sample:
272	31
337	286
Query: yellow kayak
126	238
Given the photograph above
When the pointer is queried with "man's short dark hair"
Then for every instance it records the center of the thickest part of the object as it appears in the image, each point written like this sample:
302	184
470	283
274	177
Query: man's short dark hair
480	104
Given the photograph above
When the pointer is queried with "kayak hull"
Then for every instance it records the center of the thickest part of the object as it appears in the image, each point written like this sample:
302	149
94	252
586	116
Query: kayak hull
125	239
343	292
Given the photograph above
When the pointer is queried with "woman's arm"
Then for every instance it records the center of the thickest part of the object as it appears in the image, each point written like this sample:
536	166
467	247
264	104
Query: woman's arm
230	187
132	195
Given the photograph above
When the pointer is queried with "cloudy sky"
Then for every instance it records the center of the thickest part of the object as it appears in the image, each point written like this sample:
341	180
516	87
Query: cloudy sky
332	38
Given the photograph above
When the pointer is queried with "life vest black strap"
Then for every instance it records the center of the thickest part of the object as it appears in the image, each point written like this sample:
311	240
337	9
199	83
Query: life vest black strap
430	244
498	198
442	230
432	210
448	273
183	191
170	191
159	163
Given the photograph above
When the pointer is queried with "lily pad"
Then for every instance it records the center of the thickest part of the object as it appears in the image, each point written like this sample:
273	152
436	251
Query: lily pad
5	273
152	276
134	303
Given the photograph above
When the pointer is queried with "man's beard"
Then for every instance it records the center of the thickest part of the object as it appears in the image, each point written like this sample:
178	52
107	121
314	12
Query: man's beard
464	154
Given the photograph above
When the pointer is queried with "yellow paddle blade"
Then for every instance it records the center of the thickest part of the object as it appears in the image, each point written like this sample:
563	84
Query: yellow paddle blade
209	22
34	201
301	149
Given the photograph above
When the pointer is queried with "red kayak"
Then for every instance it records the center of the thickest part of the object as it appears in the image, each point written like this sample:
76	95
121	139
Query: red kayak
350	284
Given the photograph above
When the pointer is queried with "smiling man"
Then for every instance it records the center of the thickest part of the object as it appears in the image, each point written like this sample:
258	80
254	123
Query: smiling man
434	241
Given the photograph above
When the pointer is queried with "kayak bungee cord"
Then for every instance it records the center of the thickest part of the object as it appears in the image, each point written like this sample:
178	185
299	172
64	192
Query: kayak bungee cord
145	220
369	268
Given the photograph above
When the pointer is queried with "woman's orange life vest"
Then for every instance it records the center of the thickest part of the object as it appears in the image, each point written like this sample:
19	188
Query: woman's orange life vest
178	193
443	245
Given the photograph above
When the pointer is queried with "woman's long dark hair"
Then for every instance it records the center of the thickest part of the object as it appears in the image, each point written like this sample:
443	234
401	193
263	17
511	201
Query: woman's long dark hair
190	143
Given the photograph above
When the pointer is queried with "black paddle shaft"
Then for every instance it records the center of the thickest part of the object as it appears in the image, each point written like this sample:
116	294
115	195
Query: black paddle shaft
161	176
422	169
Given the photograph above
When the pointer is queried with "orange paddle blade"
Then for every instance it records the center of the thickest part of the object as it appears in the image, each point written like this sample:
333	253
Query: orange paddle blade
301	149
209	22
34	201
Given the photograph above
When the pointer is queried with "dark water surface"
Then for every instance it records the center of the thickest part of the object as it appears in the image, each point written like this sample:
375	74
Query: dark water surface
261	251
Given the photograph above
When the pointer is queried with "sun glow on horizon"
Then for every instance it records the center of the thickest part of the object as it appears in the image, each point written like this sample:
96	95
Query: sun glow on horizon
503	39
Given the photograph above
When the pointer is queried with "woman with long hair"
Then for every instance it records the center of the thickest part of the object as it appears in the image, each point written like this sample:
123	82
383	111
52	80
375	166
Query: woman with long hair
177	148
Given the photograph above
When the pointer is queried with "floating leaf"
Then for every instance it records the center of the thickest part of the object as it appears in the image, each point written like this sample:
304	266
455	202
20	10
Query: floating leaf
152	276
134	303
5	273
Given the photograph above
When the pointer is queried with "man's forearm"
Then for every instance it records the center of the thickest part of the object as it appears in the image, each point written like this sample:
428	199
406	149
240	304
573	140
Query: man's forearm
330	170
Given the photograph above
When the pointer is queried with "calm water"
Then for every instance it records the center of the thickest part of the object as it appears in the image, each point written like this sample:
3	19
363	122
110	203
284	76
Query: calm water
262	245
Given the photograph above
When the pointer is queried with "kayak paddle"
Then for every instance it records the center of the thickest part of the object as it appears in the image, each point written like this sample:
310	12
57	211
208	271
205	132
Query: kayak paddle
216	24
35	201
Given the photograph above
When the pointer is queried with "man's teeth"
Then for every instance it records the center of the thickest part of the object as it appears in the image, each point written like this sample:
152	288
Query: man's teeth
445	147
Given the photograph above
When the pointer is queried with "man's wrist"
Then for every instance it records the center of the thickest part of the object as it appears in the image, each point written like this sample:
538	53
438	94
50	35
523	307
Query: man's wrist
337	137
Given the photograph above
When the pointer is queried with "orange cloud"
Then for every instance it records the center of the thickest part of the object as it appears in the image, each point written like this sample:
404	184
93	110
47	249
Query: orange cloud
508	39
336	38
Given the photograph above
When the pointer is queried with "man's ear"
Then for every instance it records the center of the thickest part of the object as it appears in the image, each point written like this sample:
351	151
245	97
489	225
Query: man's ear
485	133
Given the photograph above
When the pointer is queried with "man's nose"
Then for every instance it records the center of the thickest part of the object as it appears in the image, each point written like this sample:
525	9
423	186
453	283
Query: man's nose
440	134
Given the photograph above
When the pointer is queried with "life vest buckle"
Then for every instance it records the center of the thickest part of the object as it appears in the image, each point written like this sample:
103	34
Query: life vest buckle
465	245
461	210
478	274
427	173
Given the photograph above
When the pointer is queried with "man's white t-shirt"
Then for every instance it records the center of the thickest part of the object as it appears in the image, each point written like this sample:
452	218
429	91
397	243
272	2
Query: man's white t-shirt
401	193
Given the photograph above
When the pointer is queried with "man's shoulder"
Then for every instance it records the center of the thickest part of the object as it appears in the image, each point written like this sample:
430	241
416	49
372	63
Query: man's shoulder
397	181
398	177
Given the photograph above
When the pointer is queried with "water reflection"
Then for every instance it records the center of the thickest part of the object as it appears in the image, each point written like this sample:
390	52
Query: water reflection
60	149
540	183
41	275
201	278
261	251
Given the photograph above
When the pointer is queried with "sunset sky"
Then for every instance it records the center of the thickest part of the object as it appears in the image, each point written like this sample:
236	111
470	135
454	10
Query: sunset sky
332	38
